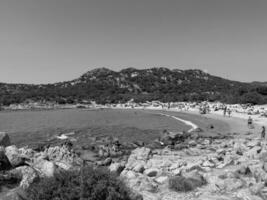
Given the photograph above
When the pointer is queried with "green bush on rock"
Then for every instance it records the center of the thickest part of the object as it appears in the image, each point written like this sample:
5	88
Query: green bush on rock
88	183
184	184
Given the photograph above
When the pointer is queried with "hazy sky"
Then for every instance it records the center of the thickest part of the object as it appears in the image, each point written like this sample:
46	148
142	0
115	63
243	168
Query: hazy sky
45	41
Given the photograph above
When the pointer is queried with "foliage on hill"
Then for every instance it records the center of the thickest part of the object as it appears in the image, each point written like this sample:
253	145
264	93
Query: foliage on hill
106	86
91	184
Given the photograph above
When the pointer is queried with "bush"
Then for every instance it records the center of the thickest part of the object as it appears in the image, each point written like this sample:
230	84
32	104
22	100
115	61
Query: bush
183	184
88	183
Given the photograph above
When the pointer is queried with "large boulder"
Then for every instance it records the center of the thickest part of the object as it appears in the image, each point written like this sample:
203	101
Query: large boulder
13	155
62	154
137	157
27	175
4	162
15	194
4	139
45	168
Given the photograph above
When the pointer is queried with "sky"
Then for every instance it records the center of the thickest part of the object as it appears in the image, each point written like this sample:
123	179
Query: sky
47	41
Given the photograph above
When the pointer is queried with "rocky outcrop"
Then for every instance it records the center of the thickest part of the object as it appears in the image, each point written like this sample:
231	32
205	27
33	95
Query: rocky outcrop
26	166
232	168
4	139
14	156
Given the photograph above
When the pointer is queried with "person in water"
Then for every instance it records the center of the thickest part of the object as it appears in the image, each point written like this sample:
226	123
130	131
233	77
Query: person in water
249	122
263	132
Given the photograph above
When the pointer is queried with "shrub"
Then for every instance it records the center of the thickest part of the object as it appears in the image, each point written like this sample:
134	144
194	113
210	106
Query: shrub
183	184
88	183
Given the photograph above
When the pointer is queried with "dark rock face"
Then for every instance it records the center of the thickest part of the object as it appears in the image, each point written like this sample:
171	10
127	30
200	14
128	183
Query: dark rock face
4	162
4	139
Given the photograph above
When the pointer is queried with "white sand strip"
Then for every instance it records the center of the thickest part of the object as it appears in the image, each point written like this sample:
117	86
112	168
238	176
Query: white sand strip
189	123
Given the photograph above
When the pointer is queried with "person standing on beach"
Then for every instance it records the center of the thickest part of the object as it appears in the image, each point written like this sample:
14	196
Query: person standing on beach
224	111
249	122
229	112
263	132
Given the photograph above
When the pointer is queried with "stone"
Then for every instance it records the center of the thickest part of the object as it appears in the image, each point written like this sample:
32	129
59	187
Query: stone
246	195
4	139
162	179
253	143
256	188
13	155
221	151
107	161
253	153
15	194
192	143
116	167
27	175
139	168
130	174
65	166
152	172
141	153
4	162
208	163
46	168
138	156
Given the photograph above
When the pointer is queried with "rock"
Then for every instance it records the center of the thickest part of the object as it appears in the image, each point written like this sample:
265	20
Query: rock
15	194
62	154
116	167
257	172
129	174
138	156
244	170
135	196
4	162
180	146
239	148
148	186
192	143
4	139
265	166
206	142
139	168
65	166
208	163
253	143
193	166
26	152
141	153
107	161
27	175
45	168
245	194
162	179
221	151
253	153
263	156
256	188
152	172
13	155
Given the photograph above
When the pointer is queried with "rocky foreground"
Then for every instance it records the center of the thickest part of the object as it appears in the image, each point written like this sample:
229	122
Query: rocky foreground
229	168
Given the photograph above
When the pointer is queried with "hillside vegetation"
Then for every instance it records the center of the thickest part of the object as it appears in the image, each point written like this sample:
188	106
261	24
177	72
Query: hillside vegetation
106	86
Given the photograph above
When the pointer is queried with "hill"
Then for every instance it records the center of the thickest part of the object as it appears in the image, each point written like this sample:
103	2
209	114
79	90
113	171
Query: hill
106	86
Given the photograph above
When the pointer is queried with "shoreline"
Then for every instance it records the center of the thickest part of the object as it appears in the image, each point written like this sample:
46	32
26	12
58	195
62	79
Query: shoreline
237	123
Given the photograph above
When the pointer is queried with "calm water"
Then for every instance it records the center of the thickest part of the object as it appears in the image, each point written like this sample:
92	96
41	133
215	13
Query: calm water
36	125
